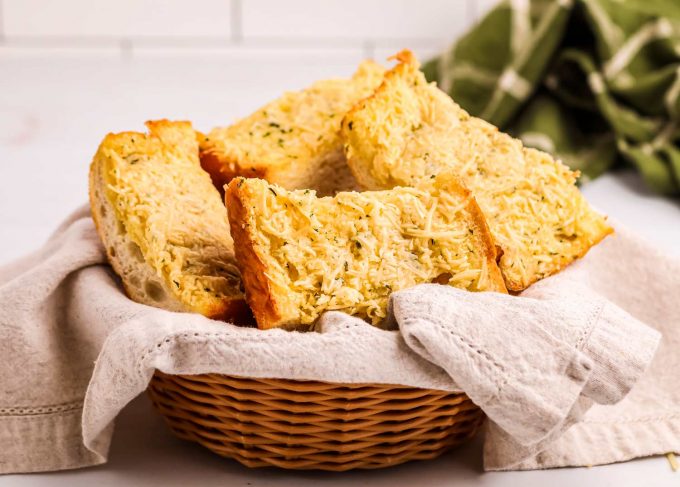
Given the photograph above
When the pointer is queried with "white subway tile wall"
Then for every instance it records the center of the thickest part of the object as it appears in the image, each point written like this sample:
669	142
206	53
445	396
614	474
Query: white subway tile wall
354	19
235	28
116	18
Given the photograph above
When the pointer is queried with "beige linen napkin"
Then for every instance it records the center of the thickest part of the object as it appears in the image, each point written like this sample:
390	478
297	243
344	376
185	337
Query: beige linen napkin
539	363
60	308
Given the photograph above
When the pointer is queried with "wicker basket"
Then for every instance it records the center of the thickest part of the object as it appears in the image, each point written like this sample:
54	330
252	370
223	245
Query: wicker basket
313	425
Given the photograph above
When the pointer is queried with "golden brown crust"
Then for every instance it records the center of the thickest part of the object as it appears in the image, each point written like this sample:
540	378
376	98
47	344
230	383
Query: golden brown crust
482	230
259	296
223	169
234	311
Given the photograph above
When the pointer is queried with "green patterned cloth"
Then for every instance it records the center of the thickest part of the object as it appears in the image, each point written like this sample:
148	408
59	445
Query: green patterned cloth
595	82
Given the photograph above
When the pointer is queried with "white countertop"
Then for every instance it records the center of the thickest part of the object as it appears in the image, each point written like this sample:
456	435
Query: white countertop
56	105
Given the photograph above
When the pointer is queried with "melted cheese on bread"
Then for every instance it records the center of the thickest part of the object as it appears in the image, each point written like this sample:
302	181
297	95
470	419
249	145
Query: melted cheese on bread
301	255
167	219
409	131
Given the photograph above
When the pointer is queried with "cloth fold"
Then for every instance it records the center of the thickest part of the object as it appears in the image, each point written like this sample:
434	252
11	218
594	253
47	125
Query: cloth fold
534	366
547	367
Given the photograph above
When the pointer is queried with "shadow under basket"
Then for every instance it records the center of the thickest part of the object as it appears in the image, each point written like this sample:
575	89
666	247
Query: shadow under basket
306	425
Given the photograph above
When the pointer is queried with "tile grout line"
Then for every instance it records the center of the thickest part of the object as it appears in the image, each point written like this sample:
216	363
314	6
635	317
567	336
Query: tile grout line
369	45
236	21
234	38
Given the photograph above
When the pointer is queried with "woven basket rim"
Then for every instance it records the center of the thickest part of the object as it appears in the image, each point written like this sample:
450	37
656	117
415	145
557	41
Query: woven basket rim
349	385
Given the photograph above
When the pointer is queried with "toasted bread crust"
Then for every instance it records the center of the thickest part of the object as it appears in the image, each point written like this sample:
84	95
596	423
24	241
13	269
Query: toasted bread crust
489	247
223	168
131	258
262	301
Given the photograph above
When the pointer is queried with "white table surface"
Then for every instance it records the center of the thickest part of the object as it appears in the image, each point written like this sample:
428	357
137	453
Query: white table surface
56	105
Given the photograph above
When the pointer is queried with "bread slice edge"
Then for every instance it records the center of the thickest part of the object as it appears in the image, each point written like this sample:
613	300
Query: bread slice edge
140	281
123	253
259	295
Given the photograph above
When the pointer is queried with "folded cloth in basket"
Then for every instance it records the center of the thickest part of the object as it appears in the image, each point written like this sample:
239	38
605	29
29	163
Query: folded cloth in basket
535	363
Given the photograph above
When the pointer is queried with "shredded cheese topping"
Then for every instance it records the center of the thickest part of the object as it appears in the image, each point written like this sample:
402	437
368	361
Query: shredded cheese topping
410	130
349	252
170	209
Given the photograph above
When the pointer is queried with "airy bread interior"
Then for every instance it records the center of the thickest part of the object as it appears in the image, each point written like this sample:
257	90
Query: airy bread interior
301	255
409	131
163	223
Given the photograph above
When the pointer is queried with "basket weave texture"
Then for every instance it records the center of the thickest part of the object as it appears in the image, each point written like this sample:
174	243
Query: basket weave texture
313	425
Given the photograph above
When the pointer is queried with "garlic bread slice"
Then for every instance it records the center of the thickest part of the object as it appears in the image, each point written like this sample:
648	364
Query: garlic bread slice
301	255
163	223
